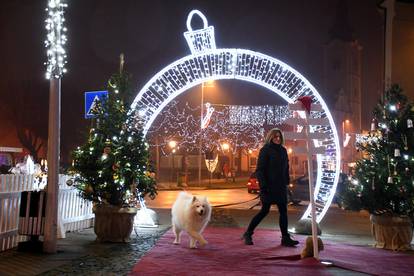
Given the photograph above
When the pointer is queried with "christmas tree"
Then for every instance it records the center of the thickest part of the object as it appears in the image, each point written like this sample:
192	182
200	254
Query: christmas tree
112	167
384	180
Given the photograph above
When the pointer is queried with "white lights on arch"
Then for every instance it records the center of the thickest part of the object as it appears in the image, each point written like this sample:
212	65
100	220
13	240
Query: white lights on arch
258	115
56	39
206	62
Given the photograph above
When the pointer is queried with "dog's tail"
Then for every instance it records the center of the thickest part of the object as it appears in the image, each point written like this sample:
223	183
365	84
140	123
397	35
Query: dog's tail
183	194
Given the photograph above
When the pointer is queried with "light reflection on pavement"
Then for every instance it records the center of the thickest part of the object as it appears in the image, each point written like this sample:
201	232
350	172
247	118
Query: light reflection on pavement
165	199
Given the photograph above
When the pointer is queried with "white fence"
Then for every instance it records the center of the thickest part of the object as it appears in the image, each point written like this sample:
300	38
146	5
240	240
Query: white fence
73	214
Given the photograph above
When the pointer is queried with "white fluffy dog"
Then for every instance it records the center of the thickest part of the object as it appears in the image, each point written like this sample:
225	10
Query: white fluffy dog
191	214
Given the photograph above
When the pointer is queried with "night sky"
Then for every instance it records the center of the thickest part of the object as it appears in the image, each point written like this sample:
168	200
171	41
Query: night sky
150	34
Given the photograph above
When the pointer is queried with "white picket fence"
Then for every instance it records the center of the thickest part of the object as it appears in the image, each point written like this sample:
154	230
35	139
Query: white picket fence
74	213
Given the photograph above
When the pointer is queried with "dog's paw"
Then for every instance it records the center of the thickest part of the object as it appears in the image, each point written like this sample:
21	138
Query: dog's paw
203	242
176	242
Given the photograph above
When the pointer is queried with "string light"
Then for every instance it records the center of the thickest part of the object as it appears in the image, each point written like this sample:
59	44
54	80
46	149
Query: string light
182	124
55	39
258	115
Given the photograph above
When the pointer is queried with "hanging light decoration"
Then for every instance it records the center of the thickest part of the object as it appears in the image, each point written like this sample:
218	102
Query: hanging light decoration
374	124
397	153
409	123
56	39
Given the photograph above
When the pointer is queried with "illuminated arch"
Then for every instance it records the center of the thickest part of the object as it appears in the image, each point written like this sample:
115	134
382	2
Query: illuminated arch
208	63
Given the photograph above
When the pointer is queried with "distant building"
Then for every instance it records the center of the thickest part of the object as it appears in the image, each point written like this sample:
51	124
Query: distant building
342	82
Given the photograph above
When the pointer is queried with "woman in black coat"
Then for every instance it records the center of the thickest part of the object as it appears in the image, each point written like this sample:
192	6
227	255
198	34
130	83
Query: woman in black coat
273	175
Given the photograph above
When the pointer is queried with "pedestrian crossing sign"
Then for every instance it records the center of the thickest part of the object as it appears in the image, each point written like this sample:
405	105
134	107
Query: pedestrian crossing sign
91	98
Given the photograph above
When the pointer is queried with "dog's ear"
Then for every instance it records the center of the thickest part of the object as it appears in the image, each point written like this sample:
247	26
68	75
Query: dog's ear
194	198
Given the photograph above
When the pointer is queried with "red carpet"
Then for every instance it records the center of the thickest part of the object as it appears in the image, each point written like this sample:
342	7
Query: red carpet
227	255
369	260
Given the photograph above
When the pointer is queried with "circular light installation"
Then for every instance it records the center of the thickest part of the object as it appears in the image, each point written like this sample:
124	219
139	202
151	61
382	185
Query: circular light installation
207	63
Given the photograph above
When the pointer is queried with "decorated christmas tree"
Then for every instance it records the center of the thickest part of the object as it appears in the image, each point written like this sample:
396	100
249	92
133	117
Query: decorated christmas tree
112	167
384	176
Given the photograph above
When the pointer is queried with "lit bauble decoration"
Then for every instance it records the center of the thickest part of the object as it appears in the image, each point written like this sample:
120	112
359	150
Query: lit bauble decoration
89	189
409	123
397	153
104	156
374	124
69	182
107	150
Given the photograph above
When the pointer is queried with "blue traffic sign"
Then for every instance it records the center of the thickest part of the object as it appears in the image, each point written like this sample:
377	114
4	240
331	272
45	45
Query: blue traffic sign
91	98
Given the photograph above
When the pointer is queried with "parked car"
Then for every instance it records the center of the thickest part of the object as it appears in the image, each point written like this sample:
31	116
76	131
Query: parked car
253	184
301	187
253	187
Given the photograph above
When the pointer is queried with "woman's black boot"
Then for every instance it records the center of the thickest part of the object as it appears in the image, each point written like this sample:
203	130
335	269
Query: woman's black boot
247	238
287	241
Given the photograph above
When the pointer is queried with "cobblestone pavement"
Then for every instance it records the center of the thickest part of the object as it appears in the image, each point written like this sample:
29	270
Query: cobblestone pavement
112	259
119	259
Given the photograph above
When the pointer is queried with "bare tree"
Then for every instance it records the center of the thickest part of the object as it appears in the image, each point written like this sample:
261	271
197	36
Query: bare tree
26	109
31	141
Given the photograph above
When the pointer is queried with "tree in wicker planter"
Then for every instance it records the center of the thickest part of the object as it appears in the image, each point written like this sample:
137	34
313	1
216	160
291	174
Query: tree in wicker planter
113	164
383	183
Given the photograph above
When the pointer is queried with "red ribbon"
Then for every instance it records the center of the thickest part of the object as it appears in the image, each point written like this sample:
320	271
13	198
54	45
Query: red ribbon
306	102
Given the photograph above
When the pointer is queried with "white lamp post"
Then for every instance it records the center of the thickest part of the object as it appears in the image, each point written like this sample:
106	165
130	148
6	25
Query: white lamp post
56	55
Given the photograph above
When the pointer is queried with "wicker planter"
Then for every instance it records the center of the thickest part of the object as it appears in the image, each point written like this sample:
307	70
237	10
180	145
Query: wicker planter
392	232
113	224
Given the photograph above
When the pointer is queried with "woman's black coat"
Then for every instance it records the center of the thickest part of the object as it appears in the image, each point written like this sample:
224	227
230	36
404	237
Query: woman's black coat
273	173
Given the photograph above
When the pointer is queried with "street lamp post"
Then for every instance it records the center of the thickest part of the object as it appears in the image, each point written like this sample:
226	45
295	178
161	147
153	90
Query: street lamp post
226	167
157	157
200	146
249	153
344	158
54	43
172	144
290	152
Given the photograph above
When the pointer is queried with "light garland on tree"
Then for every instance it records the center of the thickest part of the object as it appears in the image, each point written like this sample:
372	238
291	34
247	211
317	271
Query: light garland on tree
113	163
383	180
227	124
56	39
